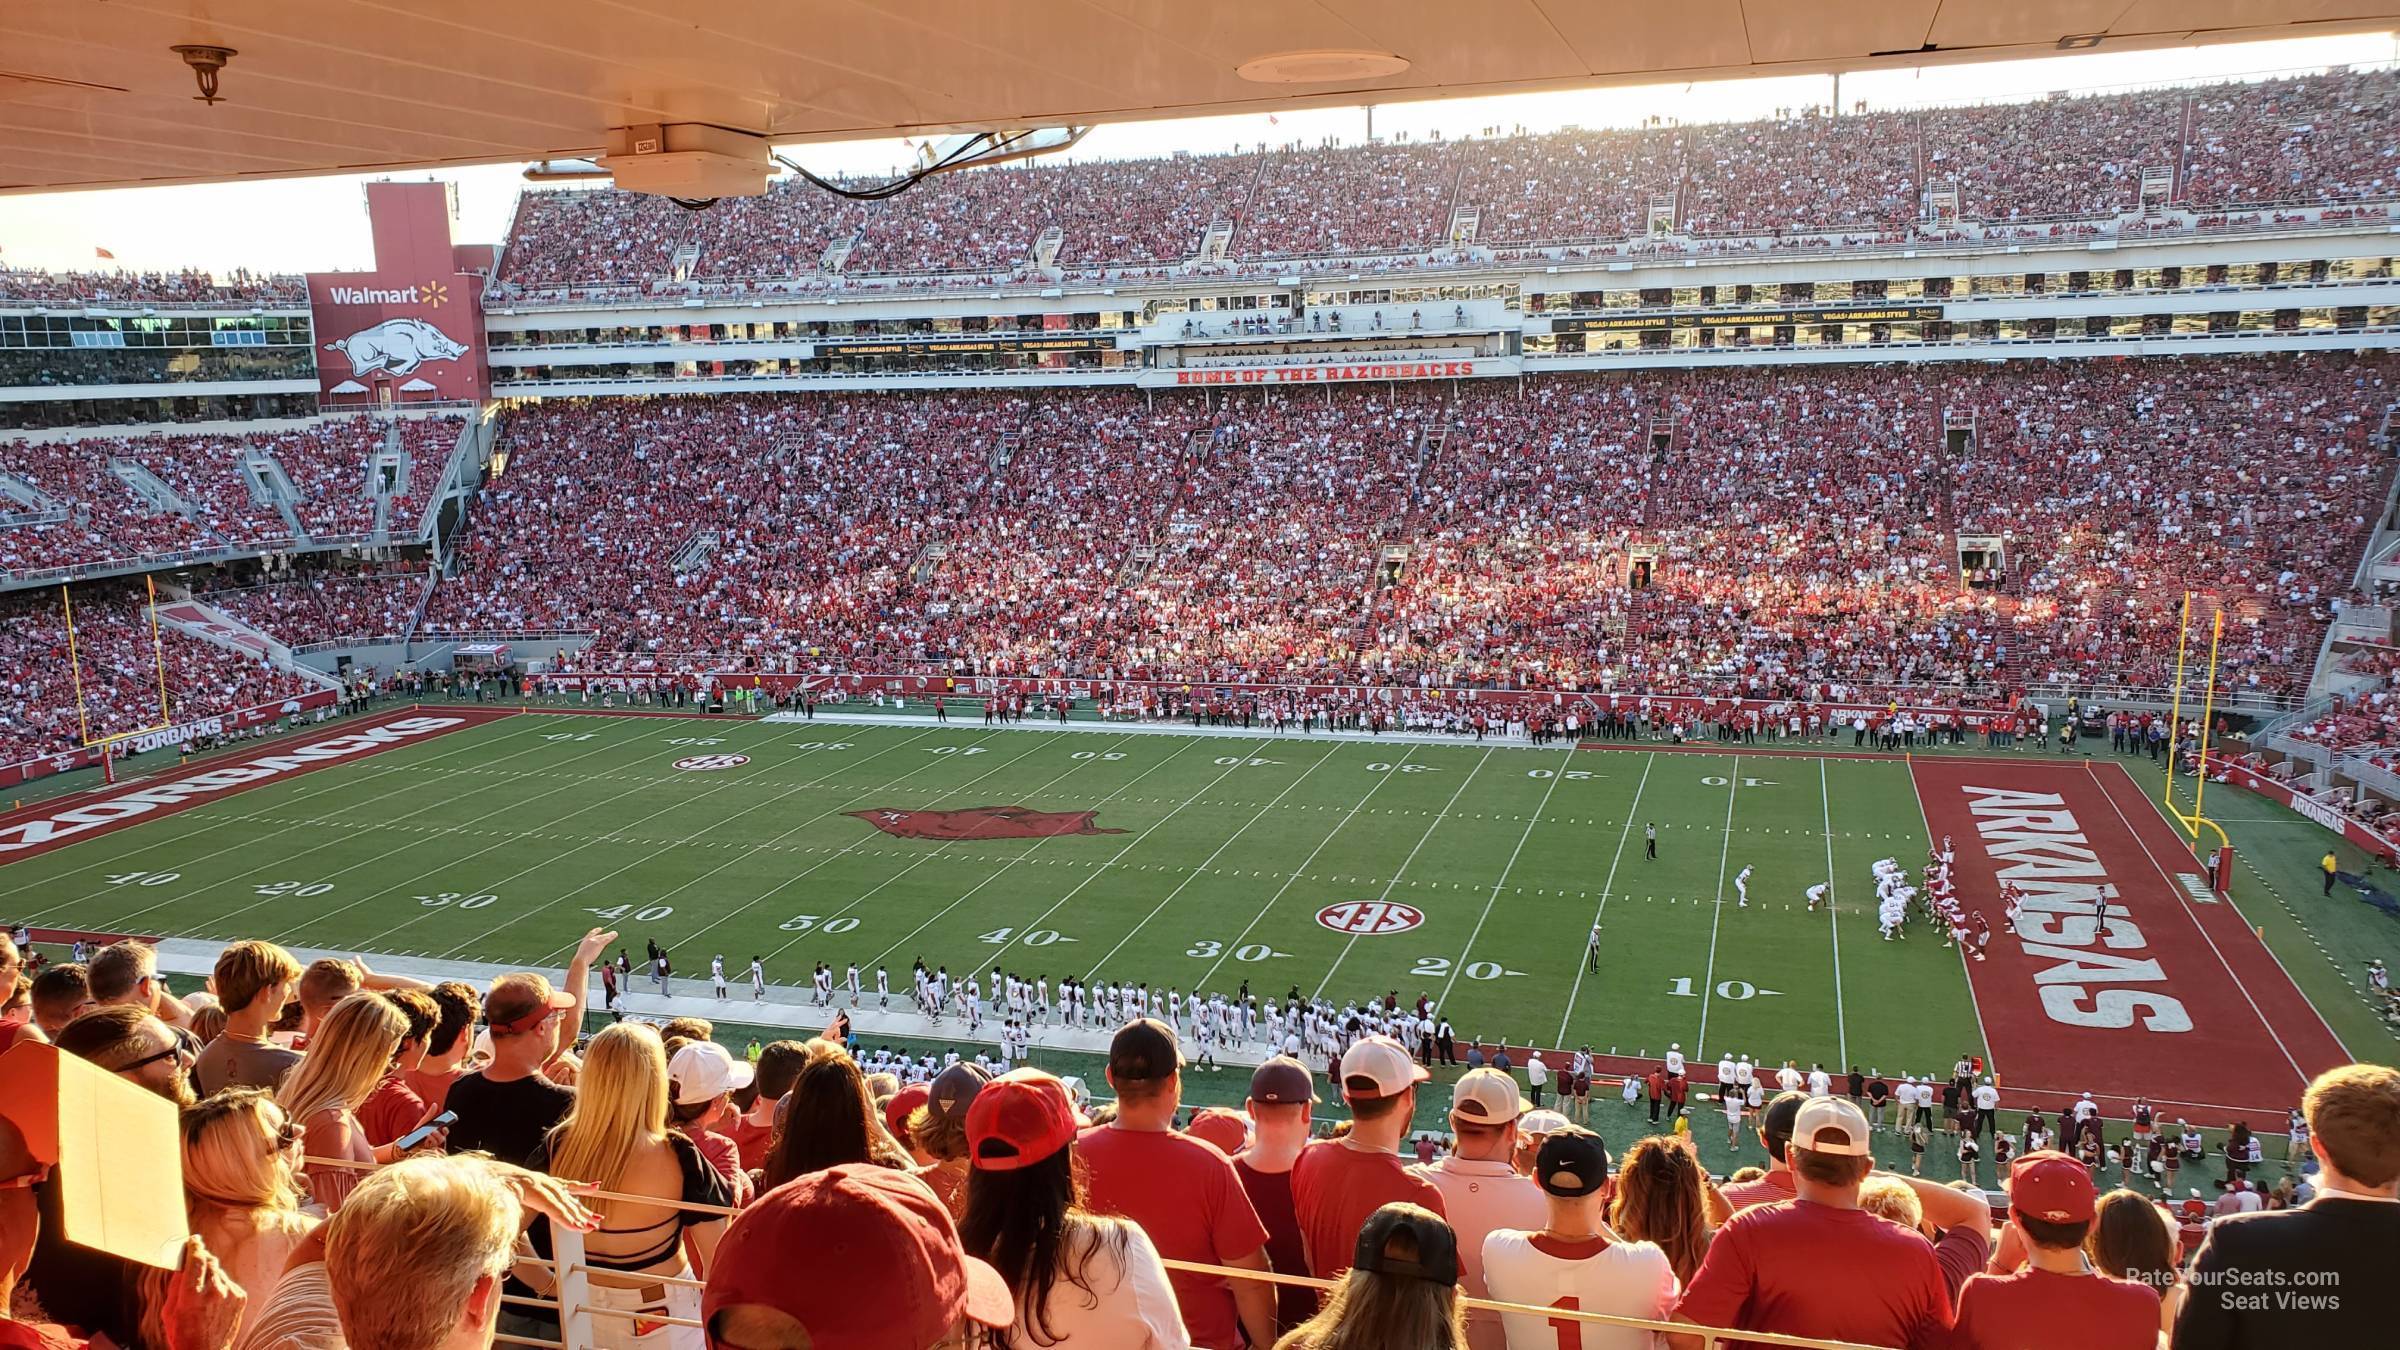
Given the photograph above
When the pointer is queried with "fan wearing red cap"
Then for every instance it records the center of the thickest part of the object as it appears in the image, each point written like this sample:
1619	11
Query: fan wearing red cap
2057	1299
1182	1192
1079	1279
856	1256
1338	1183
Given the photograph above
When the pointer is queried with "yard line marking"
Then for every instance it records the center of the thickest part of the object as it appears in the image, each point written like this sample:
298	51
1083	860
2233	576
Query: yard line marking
126	920
501	842
1296	873
1145	832
1733	780
941	850
1196	873
1963	973
688	839
1493	898
1607	888
1386	893
754	849
1833	911
162	839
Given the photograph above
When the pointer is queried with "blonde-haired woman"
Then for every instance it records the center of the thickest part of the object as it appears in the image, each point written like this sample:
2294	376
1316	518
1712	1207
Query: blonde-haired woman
345	1060
241	1186
616	1138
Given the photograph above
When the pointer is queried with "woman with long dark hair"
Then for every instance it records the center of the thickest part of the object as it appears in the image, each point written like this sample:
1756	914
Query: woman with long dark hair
825	1120
1080	1280
1402	1290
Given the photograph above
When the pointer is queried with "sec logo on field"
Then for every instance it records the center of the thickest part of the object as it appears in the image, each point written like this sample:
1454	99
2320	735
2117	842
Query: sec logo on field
703	763
1366	917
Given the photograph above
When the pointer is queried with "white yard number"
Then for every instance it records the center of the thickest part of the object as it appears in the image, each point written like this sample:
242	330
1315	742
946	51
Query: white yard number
1233	761
568	736
1032	937
1435	967
144	878
1105	754
822	745
1719	780
954	750
695	740
1404	768
1568	774
302	889
463	901
1737	990
646	914
1253	952
801	923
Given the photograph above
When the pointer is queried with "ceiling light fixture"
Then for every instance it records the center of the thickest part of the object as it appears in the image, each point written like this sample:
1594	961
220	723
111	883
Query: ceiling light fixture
1320	67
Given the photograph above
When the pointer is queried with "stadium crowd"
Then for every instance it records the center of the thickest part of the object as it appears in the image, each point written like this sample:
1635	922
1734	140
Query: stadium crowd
2048	168
1543	541
187	287
44	710
338	1125
365	605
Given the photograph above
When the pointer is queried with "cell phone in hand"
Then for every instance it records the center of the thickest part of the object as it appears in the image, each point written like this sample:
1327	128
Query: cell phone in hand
424	1132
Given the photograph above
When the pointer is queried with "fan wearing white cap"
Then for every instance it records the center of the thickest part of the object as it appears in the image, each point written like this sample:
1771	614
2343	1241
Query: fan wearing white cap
1482	1191
703	1076
1820	1266
1572	1259
1338	1183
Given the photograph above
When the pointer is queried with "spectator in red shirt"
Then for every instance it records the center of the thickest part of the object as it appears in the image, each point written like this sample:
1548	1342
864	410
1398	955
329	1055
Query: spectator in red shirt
700	1079
393	1107
1775	1135
1818	1265
778	1068
1281	1092
2058	1298
1338	1183
1184	1193
445	1060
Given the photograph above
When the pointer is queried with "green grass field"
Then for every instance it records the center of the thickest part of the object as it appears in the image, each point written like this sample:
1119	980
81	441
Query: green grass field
505	841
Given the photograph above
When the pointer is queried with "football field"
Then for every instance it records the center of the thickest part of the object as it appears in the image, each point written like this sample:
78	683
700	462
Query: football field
1347	868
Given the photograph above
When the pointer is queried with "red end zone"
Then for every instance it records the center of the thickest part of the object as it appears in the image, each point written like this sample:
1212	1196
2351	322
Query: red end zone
37	829
2178	1001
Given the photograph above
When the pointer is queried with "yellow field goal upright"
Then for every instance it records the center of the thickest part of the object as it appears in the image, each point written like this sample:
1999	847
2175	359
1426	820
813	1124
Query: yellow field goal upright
158	661
2197	819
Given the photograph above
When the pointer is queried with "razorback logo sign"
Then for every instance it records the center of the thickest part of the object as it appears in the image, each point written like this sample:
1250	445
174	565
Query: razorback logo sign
982	822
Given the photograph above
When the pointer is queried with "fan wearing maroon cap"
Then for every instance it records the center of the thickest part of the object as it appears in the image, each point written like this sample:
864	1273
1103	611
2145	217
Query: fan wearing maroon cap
1081	1280
858	1257
1183	1193
1281	1092
2058	1298
1818	1265
1338	1183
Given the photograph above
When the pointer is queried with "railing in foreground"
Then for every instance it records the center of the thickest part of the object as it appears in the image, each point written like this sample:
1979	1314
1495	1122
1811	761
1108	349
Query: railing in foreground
572	1303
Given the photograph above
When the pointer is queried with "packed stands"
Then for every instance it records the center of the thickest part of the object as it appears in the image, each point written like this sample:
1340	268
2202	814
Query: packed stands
2053	167
187	287
336	606
213	501
119	669
1798	527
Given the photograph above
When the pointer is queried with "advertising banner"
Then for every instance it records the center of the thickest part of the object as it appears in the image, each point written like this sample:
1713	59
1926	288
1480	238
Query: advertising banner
410	331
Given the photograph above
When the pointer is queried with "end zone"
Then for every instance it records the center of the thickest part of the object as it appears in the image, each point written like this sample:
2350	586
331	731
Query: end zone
2165	998
55	824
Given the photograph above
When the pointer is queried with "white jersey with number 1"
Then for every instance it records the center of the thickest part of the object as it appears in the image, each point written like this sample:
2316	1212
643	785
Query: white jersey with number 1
1628	1278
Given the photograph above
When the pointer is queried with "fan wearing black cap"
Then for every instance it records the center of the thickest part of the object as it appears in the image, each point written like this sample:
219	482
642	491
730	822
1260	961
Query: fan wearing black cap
1574	1260
1184	1193
1775	1135
1400	1289
1281	1092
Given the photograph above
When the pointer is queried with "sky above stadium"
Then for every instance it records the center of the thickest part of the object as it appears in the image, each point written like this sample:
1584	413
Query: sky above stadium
320	224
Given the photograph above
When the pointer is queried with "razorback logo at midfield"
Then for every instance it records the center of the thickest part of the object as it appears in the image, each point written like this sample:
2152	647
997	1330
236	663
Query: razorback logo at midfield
982	822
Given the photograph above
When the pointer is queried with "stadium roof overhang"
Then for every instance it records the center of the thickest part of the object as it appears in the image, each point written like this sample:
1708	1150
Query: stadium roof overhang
92	96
